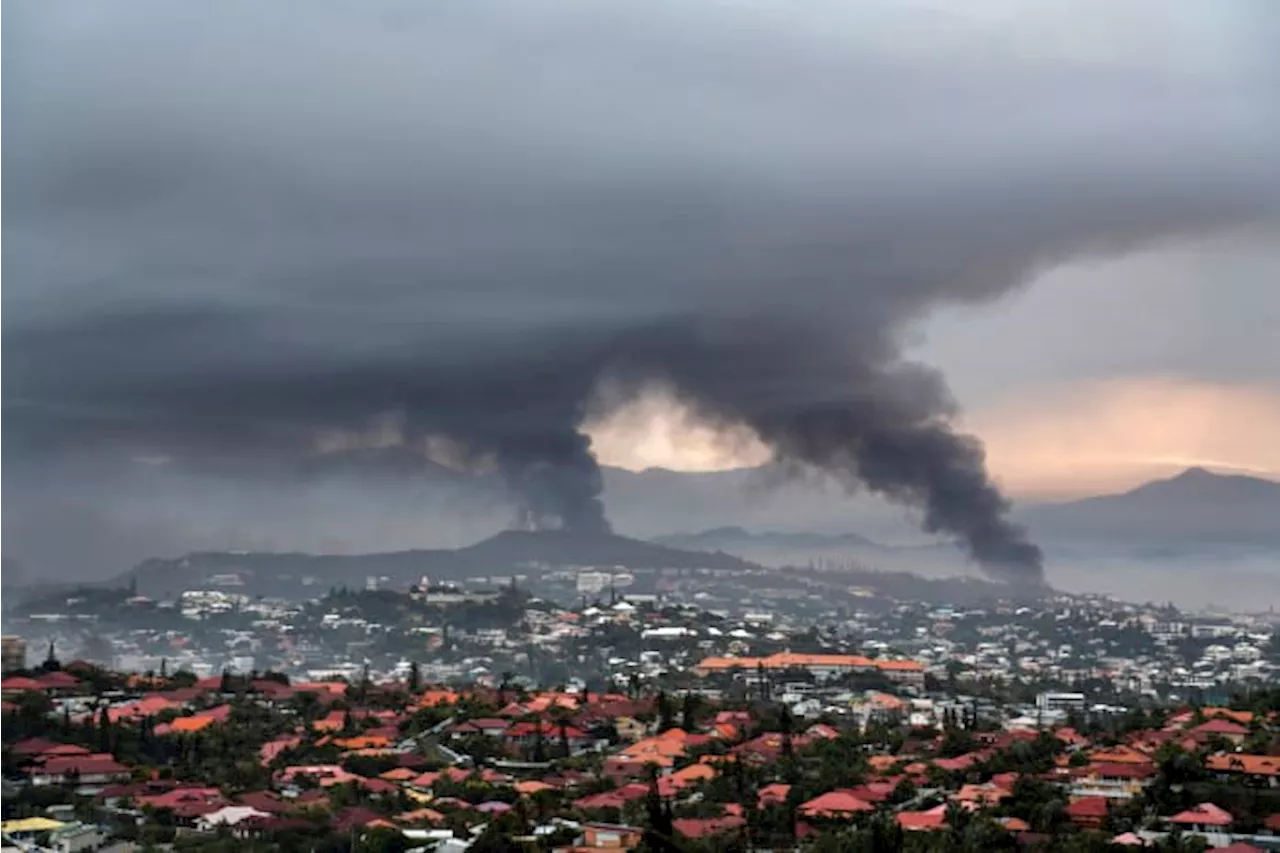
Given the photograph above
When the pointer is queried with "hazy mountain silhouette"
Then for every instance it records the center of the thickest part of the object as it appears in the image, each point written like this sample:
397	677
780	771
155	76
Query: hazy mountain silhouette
505	553
732	537
1196	506
554	547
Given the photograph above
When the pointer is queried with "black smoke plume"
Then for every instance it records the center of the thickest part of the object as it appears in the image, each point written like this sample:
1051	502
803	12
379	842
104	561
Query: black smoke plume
232	229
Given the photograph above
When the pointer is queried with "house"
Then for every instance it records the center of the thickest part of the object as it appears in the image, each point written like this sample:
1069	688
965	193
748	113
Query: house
1128	839
615	799
672	784
365	742
272	748
98	768
924	821
378	787
196	722
41	749
188	803
908	673
1220	727
1119	755
42	833
324	774
420	816
59	683
981	795
1185	718
266	802
691	827
314	800
773	794
435	698
1115	781
1203	818
358	817
835	805
1262	768
16	685
820	666
1088	812
528	732
227	816
148	706
605	836
487	726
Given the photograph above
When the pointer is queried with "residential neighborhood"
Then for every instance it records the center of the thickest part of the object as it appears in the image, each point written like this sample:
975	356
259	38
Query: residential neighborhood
160	759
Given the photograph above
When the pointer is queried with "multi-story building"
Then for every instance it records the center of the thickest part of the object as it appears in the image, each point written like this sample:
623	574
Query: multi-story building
13	650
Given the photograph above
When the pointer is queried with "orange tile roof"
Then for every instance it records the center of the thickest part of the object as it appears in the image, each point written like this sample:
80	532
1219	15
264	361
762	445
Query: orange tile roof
333	688
900	665
398	774
190	724
438	697
693	773
1119	755
363	742
784	660
655	746
532	786
1252	765
835	804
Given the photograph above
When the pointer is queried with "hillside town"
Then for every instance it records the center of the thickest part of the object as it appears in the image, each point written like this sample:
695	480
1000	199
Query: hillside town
614	629
165	759
569	714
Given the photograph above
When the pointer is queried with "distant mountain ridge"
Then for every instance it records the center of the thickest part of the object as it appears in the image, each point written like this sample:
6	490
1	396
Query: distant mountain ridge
506	553
731	537
1196	506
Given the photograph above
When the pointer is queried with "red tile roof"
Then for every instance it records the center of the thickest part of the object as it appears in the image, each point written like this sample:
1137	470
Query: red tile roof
98	763
20	682
934	818
1087	807
1110	770
691	827
614	799
1220	726
1206	814
58	680
33	746
835	804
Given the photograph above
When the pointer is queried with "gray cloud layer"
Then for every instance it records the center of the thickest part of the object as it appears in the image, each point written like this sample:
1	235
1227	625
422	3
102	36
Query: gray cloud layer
231	226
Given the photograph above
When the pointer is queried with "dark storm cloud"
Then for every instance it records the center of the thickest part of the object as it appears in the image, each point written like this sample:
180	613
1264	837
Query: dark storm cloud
232	226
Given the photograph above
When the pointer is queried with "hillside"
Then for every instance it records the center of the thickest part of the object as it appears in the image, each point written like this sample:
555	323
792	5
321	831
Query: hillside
728	538
292	574
1194	507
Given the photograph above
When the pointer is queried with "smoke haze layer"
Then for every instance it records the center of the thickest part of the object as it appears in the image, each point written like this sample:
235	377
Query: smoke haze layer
232	229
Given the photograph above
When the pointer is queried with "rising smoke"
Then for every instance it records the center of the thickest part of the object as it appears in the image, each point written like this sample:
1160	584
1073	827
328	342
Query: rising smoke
233	227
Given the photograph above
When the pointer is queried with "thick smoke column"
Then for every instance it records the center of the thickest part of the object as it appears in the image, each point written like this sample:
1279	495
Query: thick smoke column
222	243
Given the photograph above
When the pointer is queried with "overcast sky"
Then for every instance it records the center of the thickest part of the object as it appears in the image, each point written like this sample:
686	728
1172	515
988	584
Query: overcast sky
1103	374
239	229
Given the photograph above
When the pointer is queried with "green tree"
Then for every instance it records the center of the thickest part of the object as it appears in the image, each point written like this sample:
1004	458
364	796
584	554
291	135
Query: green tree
689	711
105	741
415	678
666	714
